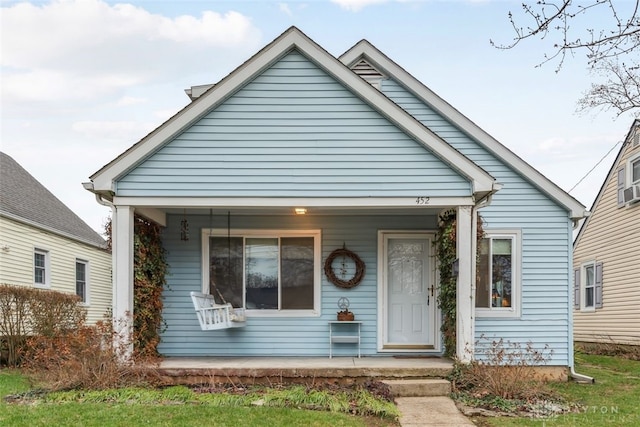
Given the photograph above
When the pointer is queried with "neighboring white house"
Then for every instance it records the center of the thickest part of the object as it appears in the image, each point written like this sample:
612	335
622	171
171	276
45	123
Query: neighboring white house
606	255
298	153
43	244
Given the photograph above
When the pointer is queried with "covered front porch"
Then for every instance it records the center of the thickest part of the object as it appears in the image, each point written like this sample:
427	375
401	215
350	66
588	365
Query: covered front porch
292	334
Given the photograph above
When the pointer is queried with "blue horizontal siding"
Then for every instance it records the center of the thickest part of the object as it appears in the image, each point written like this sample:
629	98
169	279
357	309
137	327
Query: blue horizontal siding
293	130
263	336
546	239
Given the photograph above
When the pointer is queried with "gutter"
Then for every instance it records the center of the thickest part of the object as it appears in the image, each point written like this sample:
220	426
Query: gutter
99	197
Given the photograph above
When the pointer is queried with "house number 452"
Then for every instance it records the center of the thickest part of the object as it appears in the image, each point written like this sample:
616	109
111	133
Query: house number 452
422	201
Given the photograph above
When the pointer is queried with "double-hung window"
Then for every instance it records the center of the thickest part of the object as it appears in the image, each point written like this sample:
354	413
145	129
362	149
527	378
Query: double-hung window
628	182
82	280
41	270
634	167
498	279
588	286
268	272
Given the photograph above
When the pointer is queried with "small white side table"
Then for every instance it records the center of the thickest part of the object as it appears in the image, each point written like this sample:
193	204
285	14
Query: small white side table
344	332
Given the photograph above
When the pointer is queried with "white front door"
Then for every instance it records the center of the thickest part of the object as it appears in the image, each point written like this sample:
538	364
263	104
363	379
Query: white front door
408	292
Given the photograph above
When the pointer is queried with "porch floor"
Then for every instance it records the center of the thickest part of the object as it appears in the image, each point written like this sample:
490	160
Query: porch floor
194	370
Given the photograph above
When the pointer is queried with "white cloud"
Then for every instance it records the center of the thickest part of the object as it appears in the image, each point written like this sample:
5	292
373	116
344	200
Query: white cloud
125	131
47	84
284	7
81	49
356	5
130	100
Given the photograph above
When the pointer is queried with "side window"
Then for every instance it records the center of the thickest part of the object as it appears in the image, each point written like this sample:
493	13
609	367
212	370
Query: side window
588	288
588	280
41	269
635	171
498	283
631	192
82	288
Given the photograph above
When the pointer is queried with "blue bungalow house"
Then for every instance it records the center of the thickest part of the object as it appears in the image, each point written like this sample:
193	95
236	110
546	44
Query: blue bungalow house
297	154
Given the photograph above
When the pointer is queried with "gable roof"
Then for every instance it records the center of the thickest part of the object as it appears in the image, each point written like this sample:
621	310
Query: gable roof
365	50
103	181
614	167
24	199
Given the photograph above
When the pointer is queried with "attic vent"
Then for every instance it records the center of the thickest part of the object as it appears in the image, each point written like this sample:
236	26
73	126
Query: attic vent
368	72
636	138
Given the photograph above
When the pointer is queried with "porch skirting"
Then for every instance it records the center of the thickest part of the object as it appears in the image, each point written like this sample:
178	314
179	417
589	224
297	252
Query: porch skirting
270	370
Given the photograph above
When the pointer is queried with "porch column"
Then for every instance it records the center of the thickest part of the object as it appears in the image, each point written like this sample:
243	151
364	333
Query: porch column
465	244
122	261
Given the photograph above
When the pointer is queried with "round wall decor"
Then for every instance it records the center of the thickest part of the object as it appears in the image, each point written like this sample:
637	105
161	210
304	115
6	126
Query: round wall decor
330	271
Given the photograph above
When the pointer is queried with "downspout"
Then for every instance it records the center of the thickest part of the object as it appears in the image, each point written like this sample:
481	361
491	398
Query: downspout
572	371
103	201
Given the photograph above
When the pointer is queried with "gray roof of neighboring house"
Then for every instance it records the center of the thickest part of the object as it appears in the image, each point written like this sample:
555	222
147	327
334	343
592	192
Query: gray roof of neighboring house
23	198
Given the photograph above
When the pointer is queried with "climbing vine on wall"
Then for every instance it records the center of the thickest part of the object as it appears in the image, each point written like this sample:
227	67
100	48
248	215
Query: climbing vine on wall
445	244
446	253
149	269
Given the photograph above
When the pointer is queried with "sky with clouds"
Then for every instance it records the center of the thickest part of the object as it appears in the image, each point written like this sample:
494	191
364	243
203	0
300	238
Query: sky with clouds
83	80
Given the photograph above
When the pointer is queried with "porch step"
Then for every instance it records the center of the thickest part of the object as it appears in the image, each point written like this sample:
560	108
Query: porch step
419	387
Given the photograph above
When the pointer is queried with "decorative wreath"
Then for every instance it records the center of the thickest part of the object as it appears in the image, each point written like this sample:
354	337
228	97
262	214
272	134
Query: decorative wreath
331	275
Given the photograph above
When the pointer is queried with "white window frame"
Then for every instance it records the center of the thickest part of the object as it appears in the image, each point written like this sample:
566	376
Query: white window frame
46	268
266	233
630	162
516	271
583	286
85	300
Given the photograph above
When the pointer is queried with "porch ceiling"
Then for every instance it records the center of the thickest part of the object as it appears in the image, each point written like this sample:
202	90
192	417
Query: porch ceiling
315	210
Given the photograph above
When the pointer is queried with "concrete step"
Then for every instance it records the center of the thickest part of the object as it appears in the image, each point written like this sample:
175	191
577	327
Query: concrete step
419	387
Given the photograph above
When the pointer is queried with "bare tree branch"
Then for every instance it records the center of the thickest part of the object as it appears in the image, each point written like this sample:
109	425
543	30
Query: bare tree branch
606	31
565	22
620	91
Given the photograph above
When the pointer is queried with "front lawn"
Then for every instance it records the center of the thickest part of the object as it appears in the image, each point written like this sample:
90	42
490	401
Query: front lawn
614	399
175	406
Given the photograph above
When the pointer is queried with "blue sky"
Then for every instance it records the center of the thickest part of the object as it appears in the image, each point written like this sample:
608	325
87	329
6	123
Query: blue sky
84	80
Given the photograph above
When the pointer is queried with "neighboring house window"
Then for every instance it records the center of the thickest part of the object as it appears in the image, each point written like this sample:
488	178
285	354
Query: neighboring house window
628	178
589	272
588	286
498	281
634	167
269	272
41	268
82	276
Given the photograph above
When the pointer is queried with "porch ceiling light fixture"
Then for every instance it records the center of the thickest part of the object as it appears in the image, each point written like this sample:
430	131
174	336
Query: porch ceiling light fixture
300	211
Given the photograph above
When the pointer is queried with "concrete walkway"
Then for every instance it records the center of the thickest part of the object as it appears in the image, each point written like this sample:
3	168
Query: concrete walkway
438	411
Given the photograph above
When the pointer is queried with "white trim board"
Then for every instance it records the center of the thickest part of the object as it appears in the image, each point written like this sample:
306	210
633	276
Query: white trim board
104	180
365	50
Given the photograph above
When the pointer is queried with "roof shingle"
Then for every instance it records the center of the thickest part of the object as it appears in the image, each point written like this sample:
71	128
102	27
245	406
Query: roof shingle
24	198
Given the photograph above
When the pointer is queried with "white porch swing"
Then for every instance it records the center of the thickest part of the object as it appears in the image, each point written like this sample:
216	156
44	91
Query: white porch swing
211	315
